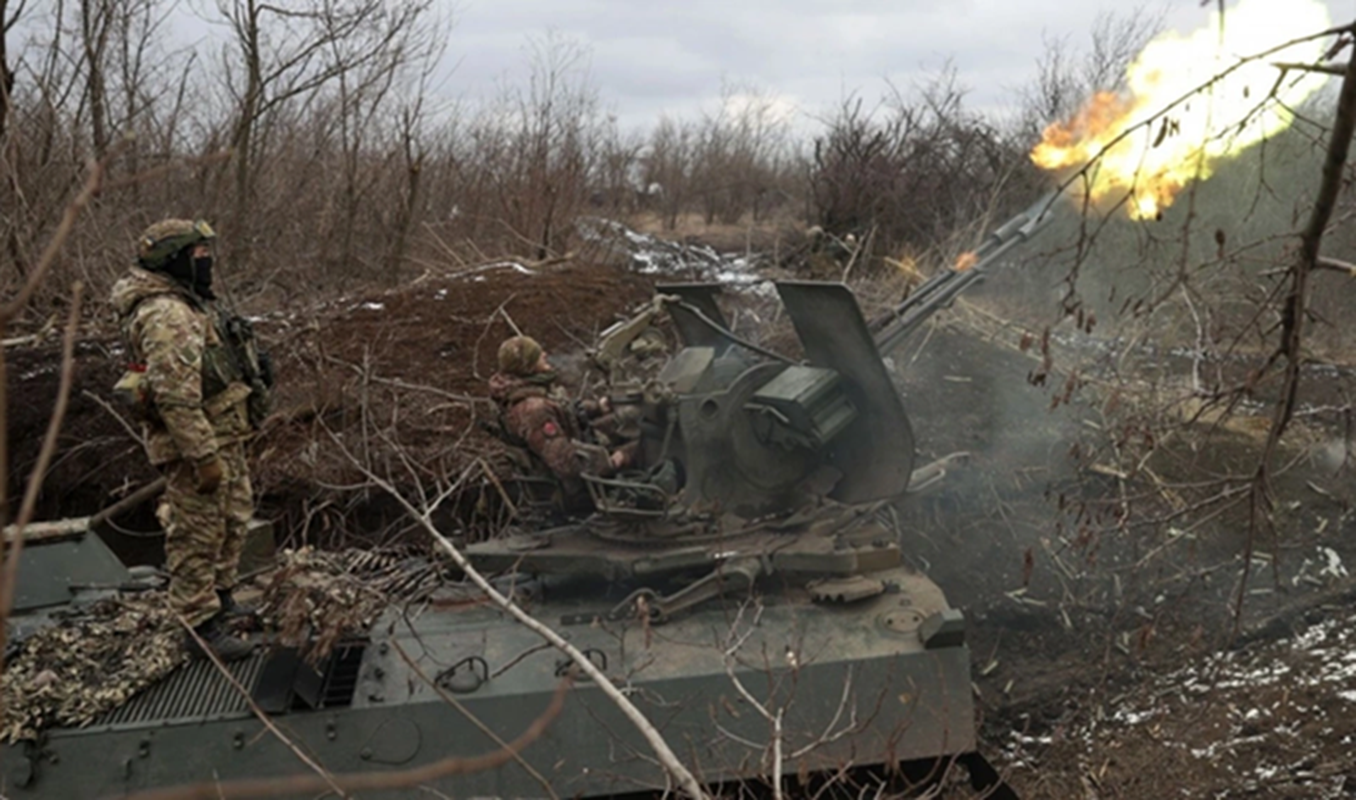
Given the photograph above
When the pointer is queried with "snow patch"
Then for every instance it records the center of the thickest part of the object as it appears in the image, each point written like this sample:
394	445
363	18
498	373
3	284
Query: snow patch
650	255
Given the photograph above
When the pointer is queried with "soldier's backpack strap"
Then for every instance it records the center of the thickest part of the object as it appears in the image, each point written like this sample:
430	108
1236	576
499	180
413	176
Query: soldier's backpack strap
252	362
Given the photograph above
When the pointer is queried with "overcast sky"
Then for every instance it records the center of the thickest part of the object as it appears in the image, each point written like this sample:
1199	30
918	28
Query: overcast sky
653	57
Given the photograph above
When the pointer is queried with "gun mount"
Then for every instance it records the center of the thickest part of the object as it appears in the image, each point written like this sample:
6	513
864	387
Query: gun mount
775	456
767	561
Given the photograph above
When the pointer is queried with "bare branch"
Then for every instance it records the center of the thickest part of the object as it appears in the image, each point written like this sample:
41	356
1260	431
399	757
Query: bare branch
14	307
35	479
1327	69
675	769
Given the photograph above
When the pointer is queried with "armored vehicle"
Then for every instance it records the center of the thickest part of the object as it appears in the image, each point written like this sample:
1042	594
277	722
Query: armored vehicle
747	593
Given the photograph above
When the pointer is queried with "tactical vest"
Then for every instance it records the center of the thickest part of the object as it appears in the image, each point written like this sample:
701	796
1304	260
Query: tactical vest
238	358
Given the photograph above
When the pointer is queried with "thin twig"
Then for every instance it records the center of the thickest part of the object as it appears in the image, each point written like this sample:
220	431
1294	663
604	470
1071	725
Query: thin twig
472	718
667	758
113	412
328	780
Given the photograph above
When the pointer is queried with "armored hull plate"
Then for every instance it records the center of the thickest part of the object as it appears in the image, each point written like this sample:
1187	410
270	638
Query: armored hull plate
876	452
854	682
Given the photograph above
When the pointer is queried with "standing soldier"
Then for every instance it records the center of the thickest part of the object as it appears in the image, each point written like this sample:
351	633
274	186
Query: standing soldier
200	388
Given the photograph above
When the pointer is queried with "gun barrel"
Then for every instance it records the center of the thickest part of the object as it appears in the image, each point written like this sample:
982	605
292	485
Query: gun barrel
940	290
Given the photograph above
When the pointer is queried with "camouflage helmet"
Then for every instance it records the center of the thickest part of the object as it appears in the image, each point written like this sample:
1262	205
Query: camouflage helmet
519	356
160	242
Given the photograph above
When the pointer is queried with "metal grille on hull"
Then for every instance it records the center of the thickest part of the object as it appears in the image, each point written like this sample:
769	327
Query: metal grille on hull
342	678
196	690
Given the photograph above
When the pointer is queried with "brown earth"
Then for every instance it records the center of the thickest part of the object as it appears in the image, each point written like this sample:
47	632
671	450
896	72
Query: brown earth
1109	662
363	381
1083	644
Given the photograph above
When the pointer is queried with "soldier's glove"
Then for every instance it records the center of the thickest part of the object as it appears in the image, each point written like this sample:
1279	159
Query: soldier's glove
210	472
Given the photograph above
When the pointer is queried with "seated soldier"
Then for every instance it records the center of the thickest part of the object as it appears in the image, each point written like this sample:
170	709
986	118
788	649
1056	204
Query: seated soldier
544	422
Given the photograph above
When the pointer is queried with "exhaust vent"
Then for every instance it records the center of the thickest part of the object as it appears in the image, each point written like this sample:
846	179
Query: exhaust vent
196	691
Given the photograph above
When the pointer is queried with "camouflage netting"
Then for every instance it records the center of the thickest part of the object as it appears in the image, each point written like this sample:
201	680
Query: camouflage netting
319	598
89	663
96	659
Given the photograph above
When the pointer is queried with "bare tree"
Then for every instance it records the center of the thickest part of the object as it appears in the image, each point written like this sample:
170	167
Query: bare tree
667	166
1068	75
39	175
915	169
282	54
362	101
615	182
740	154
141	80
414	155
556	118
10	14
96	25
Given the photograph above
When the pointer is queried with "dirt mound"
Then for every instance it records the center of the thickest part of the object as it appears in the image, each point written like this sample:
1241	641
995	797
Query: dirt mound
393	379
92	437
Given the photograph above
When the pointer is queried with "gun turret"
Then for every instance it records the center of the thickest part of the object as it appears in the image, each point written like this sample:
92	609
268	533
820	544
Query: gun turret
939	291
752	428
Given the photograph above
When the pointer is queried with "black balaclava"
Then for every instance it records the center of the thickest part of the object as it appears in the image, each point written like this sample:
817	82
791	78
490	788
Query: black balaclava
193	273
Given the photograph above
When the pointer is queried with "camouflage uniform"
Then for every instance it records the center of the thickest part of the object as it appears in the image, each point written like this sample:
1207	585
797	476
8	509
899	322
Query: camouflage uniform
546	426
194	413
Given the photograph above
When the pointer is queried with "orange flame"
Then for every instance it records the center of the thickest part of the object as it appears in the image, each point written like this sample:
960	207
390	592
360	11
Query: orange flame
965	261
1148	164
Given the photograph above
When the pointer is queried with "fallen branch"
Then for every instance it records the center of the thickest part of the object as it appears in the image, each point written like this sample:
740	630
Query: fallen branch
39	531
667	759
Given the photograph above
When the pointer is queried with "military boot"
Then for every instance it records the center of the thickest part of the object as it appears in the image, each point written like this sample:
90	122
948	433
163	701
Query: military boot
215	637
230	609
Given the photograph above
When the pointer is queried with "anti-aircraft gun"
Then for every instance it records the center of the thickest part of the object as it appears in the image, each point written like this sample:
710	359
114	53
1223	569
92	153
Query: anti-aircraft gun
784	467
752	603
766	448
